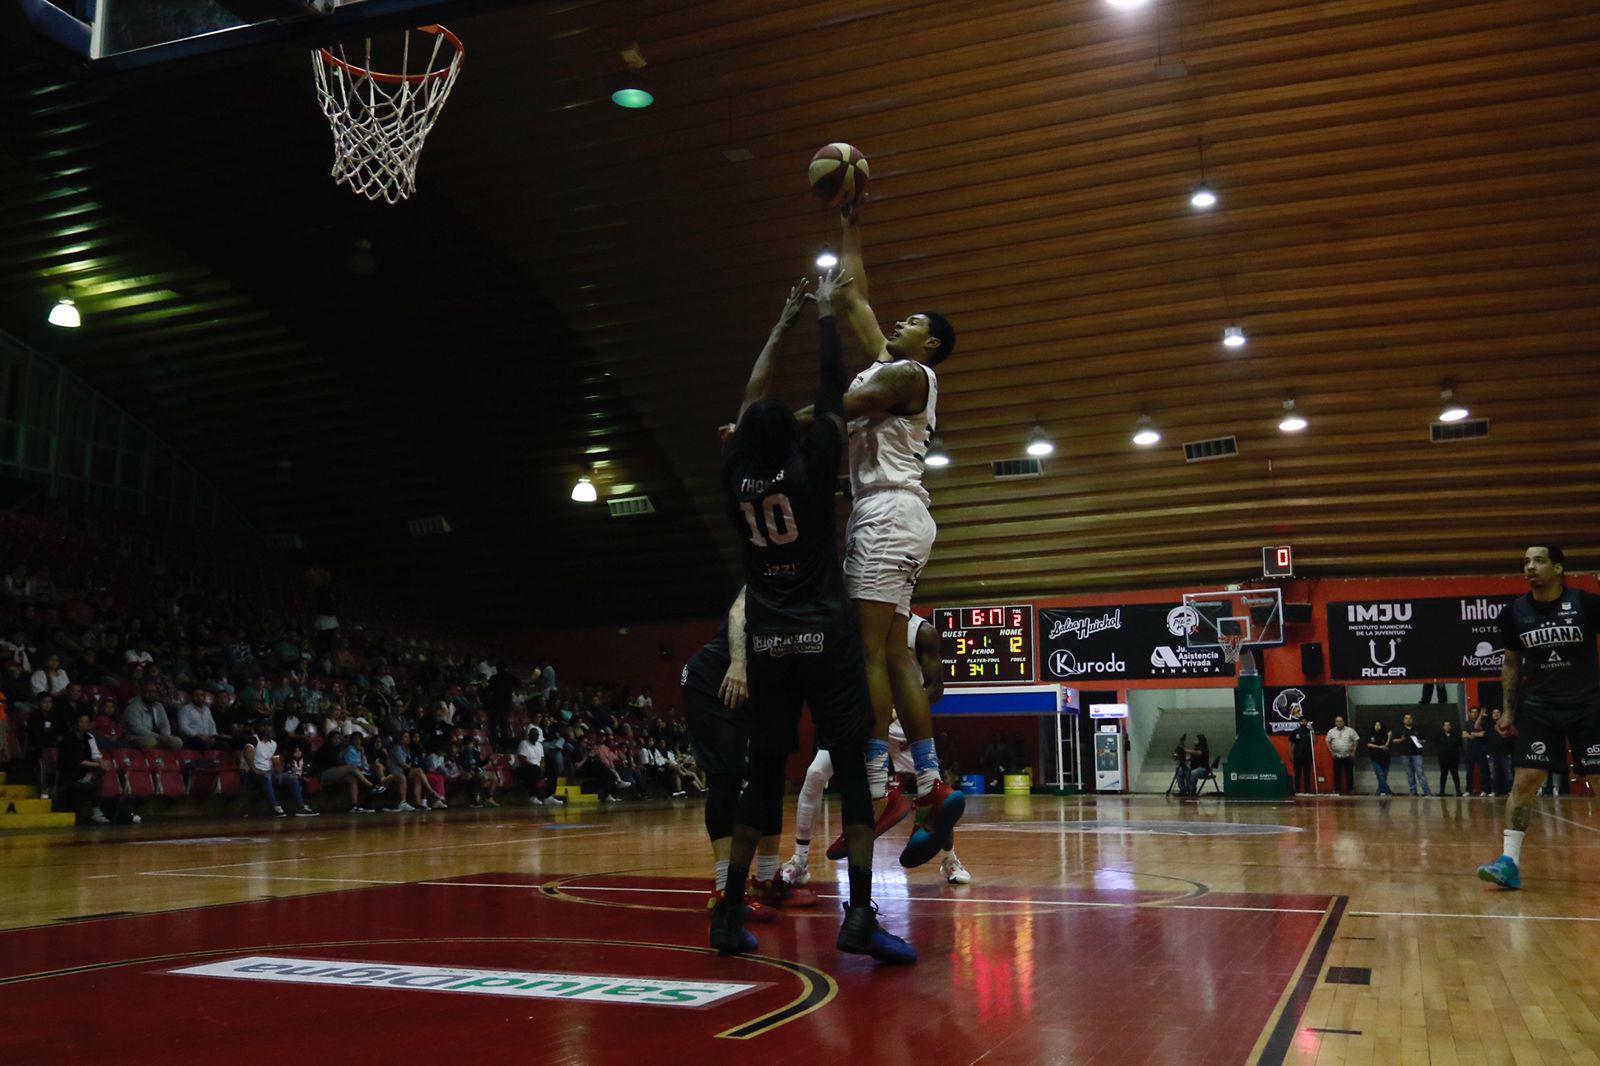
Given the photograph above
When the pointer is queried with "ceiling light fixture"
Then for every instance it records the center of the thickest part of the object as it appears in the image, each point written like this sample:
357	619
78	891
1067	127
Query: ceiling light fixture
1203	198
583	491
1039	444
1293	421
1454	409
65	314
826	260
1145	433
1127	5
633	92
937	456
1233	337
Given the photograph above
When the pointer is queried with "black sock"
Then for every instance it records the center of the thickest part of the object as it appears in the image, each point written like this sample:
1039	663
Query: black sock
733	894
860	886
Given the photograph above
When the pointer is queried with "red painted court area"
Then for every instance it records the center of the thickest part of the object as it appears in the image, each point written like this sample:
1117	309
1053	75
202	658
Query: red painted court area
598	970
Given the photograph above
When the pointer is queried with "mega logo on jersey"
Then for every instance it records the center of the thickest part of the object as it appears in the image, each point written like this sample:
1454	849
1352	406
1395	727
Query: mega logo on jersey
1128	643
1417	639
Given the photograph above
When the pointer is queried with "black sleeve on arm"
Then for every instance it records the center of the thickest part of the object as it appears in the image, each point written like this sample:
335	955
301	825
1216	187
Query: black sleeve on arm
830	384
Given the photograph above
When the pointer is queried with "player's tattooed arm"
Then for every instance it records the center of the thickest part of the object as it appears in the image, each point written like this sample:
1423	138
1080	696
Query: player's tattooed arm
760	381
855	304
735	683
1511	686
898	386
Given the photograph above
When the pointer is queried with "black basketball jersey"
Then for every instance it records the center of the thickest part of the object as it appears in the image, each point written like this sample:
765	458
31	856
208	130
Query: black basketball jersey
793	582
706	668
1555	645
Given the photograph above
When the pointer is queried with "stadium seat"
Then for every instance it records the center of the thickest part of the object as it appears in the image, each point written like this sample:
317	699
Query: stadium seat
168	777
111	785
136	774
229	782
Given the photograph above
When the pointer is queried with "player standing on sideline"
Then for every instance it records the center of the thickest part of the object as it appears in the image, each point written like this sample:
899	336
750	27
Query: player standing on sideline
891	409
802	643
923	639
1551	678
714	692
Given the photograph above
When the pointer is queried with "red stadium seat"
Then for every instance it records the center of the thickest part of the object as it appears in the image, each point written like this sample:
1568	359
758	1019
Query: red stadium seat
229	782
111	785
169	779
136	773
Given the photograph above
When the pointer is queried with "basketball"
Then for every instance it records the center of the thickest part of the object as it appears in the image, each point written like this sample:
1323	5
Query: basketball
838	174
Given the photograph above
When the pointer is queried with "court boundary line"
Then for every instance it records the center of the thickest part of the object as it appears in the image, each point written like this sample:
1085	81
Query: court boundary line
1279	1036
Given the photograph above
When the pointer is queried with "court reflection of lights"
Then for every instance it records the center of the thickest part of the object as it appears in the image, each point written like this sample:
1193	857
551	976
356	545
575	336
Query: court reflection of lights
994	963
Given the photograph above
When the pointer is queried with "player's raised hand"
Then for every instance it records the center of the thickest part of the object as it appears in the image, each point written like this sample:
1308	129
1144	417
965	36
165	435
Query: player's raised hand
795	301
850	213
828	286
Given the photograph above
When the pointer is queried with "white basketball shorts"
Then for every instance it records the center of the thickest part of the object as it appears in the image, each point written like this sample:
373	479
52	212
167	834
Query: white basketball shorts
886	544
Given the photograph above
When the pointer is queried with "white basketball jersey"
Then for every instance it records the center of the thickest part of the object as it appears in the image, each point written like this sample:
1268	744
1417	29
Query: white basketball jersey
888	453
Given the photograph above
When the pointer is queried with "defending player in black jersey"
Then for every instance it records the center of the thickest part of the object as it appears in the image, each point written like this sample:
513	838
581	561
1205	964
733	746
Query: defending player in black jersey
715	687
1552	692
802	641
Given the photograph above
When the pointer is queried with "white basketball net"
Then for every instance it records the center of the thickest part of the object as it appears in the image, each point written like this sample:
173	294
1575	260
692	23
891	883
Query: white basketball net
379	120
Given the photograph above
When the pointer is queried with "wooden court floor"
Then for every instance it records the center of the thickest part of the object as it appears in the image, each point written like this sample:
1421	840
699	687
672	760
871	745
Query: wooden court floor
1118	930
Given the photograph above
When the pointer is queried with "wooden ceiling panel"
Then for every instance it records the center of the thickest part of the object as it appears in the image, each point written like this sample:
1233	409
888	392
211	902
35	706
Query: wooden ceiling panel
1408	195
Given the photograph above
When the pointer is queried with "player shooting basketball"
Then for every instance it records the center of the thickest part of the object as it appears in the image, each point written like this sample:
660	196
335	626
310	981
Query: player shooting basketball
802	644
890	408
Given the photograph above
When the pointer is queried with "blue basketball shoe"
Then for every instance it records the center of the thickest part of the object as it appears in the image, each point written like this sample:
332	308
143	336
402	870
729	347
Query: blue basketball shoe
862	935
1503	872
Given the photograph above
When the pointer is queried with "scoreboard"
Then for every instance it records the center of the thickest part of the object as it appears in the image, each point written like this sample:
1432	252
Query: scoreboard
986	645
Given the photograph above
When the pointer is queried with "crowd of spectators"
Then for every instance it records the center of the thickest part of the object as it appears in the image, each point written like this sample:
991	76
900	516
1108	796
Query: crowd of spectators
111	641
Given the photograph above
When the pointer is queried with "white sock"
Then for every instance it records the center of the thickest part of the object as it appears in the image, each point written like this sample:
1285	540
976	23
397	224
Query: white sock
1513	845
878	769
766	866
722	874
802	852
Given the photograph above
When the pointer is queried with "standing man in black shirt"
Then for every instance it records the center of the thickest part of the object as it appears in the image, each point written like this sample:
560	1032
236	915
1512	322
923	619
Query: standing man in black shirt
1552	692
1448	745
803	647
1305	774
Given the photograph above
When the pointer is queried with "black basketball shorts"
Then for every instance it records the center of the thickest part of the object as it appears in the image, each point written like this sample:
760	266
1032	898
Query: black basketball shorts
825	671
1545	729
720	735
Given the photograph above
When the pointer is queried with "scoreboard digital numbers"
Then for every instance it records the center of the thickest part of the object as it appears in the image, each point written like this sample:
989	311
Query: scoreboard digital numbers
986	645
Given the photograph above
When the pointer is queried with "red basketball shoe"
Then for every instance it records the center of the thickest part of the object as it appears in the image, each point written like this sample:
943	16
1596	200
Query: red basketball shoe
937	814
895	809
780	893
753	911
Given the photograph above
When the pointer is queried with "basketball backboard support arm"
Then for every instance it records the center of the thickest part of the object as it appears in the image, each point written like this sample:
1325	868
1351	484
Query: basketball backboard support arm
112	36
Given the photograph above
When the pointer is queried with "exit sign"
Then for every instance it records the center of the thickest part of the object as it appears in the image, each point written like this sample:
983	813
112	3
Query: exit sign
1277	562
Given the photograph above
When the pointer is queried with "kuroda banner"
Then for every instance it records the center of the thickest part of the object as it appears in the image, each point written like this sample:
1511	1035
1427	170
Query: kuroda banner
1135	642
1398	640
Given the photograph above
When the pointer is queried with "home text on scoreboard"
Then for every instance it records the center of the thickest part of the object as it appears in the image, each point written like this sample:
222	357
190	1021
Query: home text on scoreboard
986	645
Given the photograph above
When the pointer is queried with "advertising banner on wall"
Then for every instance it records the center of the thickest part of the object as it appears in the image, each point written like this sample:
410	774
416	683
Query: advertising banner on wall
1287	707
1442	637
1136	642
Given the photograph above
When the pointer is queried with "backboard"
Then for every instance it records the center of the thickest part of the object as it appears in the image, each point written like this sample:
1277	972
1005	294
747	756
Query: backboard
114	35
1255	616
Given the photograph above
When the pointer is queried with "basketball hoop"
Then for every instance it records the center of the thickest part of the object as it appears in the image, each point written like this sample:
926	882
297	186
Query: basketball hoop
1231	647
379	120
